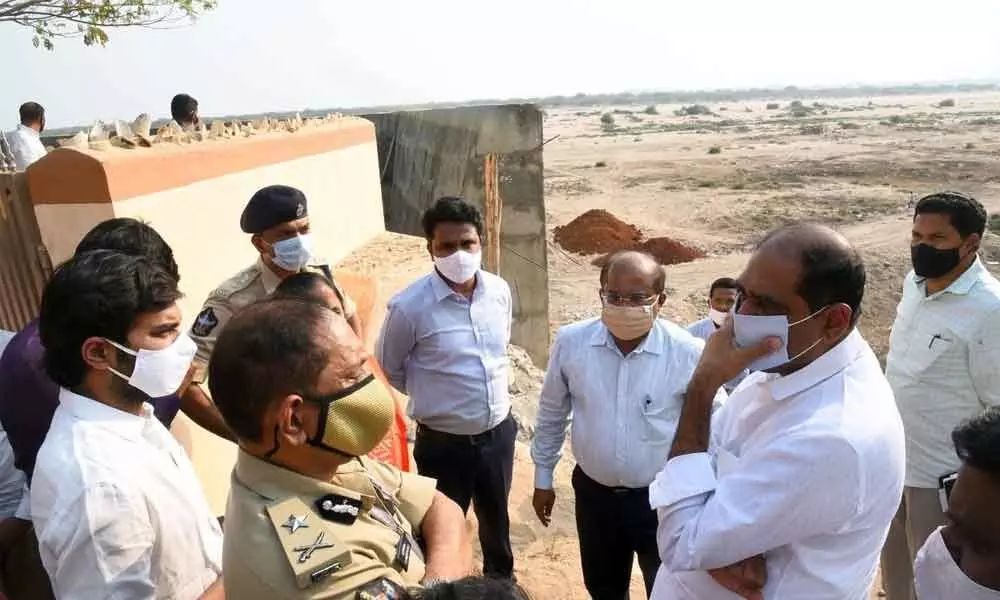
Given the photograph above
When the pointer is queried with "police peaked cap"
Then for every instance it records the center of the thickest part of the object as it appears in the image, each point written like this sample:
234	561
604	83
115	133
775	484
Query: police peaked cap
271	206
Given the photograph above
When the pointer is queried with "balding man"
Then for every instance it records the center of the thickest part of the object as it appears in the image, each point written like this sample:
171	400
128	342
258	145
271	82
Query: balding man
620	378
788	491
308	515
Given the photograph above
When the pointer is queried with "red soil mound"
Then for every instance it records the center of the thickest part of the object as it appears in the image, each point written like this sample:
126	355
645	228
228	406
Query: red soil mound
597	231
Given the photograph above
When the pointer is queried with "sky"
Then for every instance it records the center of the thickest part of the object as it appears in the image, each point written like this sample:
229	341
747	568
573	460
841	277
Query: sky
267	55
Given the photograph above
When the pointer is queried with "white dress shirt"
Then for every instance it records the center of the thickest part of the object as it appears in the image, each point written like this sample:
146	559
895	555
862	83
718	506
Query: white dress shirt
12	480
944	366
26	146
624	409
806	469
118	509
449	354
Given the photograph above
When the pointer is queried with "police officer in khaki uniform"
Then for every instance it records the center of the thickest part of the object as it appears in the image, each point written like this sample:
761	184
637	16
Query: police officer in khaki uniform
308	515
277	217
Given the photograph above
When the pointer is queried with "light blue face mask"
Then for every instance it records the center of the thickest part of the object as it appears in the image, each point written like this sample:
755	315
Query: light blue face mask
749	330
294	253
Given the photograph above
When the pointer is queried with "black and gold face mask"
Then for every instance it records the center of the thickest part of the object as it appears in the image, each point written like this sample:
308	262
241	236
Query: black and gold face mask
355	419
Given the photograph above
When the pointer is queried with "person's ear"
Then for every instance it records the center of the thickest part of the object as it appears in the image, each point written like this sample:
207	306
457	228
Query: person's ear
972	243
260	245
96	353
295	421
838	321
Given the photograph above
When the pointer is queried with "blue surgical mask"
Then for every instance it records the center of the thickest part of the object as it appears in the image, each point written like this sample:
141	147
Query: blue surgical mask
294	253
752	329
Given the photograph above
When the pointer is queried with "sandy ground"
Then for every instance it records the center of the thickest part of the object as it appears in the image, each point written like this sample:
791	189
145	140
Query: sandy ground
857	164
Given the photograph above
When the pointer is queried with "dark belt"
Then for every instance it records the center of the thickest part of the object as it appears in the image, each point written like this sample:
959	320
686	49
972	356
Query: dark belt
616	490
474	439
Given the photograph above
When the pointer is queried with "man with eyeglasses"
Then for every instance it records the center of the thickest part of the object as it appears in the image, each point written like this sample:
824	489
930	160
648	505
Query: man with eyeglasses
621	378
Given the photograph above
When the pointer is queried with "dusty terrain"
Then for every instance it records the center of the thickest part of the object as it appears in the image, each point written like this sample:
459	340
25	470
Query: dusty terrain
717	182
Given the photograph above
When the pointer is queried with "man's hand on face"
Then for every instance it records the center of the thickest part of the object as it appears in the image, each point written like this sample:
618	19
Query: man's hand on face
722	360
745	578
543	501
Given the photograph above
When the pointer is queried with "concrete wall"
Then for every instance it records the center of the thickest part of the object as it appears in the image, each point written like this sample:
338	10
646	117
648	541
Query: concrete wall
428	154
193	196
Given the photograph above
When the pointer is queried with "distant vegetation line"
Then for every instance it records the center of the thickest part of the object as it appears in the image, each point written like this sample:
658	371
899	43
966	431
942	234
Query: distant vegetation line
622	99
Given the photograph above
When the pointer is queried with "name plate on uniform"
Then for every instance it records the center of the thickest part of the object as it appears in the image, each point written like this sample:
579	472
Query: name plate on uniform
313	551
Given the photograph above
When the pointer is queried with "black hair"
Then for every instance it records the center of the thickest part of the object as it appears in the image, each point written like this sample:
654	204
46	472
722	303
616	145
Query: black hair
724	283
303	285
832	270
450	209
97	294
31	112
659	282
129	236
977	441
966	214
183	109
268	350
471	588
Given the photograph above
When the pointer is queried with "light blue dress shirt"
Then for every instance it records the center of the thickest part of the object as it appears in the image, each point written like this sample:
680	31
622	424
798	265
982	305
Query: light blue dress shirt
449	354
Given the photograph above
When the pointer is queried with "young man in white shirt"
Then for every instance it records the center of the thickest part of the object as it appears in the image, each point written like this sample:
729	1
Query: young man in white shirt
722	297
788	492
444	343
962	559
115	502
25	144
620	379
943	364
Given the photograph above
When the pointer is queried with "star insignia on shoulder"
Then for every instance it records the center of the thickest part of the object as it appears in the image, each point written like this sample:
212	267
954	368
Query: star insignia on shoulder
294	523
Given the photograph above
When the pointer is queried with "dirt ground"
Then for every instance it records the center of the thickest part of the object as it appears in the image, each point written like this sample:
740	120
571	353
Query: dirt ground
717	182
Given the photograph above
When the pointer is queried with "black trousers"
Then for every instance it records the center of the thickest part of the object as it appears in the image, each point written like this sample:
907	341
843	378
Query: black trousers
476	469
614	524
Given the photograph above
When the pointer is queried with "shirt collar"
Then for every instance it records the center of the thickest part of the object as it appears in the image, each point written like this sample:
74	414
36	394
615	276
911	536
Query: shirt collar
275	482
28	130
124	424
961	286
653	344
267	277
442	290
834	361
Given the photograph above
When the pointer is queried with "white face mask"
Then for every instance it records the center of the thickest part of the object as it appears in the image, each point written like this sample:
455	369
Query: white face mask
718	317
159	373
294	253
459	266
749	330
938	576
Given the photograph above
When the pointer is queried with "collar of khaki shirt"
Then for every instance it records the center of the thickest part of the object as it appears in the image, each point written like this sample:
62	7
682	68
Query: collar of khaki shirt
273	482
119	422
834	361
961	286
653	343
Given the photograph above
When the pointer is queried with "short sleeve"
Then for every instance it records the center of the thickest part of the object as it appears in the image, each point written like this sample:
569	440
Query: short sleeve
415	493
205	331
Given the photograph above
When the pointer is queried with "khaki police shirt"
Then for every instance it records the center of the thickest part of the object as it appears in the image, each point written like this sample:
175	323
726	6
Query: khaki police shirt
254	283
256	565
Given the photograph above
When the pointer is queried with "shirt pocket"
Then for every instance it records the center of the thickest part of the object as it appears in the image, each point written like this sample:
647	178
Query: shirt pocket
930	347
659	418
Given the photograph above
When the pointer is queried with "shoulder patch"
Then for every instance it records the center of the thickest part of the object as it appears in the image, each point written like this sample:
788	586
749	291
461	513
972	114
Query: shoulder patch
311	548
382	588
339	509
205	323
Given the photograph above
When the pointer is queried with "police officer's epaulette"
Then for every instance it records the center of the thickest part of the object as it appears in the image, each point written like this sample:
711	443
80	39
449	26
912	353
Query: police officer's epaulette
313	551
322	268
236	283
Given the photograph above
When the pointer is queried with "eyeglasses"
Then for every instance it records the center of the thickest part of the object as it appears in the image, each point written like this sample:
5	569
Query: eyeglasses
628	299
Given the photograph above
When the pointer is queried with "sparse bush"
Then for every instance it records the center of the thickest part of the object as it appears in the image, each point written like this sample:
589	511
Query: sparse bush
795	105
994	223
812	130
947	103
608	120
970	146
897	119
798	113
849	125
600	164
693	110
723	108
715	150
773	106
651	110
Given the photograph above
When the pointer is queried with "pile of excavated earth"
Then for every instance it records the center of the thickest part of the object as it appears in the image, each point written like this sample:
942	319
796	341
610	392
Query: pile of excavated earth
600	232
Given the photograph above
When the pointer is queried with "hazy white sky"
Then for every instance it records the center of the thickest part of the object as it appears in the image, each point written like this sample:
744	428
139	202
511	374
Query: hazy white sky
257	55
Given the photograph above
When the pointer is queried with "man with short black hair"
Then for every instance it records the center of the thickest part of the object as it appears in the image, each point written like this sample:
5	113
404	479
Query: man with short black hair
444	343
619	380
116	504
184	112
804	463
944	353
962	559
309	515
25	144
722	297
